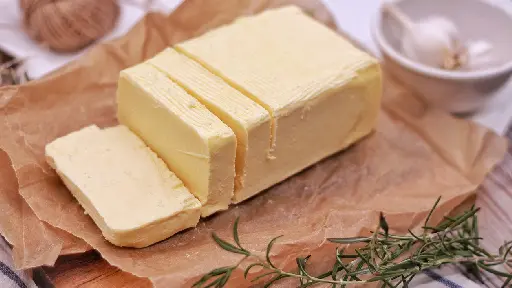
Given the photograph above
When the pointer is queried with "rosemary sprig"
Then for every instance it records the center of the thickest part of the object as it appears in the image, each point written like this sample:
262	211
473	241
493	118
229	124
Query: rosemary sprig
392	260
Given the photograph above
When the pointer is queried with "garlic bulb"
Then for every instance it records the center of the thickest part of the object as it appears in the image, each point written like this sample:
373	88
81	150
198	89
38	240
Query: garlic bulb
431	41
436	42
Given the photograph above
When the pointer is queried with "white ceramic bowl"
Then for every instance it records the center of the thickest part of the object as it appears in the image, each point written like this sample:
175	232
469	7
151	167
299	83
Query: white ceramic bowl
454	91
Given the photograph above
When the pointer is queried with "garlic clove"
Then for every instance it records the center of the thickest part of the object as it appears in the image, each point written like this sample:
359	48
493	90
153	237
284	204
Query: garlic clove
431	41
442	25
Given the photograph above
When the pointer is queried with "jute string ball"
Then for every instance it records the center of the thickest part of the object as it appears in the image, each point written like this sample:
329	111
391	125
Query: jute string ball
68	25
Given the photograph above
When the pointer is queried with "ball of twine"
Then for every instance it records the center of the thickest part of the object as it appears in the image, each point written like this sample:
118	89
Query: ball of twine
68	25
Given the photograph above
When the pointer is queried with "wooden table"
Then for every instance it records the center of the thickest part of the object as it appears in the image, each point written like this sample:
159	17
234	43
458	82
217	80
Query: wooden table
90	270
87	270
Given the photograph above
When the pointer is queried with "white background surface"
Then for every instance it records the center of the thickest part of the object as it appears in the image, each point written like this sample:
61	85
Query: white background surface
354	17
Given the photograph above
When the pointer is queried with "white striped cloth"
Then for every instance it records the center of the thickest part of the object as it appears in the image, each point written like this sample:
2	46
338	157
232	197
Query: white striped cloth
447	277
10	278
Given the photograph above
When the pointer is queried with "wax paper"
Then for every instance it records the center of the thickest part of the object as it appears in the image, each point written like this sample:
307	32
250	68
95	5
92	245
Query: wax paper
415	155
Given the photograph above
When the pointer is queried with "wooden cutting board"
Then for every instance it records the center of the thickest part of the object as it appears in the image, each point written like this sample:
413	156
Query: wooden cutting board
86	270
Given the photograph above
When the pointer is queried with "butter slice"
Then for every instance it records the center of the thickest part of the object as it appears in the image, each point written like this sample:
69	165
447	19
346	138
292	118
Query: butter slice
127	190
192	141
322	93
249	121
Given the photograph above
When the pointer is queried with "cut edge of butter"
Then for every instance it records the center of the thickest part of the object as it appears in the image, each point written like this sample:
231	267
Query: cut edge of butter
194	143
250	122
273	124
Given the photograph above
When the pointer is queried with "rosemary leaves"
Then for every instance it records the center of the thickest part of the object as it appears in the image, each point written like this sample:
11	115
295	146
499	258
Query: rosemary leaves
392	260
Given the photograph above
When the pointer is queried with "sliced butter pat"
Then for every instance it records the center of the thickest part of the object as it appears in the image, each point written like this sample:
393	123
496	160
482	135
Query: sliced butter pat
323	93
127	190
250	122
194	143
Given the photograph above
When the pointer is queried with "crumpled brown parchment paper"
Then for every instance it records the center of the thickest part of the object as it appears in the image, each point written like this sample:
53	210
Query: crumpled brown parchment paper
415	155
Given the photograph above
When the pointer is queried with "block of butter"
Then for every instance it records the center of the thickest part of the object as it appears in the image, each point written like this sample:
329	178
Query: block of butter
249	121
321	92
126	189
193	142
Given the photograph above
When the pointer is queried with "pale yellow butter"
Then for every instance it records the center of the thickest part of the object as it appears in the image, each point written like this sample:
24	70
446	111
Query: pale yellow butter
322	93
250	122
194	143
127	190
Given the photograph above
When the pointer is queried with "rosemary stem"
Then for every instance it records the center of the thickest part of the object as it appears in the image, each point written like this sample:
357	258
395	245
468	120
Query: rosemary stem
261	260
319	280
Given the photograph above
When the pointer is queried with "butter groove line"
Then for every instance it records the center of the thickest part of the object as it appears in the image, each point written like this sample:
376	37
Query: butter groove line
238	175
273	124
